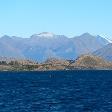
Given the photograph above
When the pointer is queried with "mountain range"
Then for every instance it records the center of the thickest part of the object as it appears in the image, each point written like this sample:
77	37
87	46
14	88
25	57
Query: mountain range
45	45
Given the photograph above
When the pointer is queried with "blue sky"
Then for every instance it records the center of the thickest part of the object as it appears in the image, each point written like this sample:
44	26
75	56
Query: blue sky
68	17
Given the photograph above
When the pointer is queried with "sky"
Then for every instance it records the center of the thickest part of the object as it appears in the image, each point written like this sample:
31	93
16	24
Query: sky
68	17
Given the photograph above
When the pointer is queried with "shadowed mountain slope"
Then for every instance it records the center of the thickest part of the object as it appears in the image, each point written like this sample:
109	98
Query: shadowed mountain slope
105	52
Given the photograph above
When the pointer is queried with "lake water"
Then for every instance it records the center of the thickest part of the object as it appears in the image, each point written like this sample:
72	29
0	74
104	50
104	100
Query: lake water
59	91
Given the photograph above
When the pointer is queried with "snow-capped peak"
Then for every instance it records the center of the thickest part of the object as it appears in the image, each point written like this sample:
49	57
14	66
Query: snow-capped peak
46	34
110	41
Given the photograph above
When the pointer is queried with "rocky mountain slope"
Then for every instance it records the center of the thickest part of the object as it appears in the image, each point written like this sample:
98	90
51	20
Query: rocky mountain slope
91	62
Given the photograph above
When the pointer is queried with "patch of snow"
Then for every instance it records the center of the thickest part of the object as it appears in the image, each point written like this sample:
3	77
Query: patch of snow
46	35
110	41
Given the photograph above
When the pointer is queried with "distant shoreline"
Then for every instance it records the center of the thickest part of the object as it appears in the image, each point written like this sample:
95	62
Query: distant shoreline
84	62
60	70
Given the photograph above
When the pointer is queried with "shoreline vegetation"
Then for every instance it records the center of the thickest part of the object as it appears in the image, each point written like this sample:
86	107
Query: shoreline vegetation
84	62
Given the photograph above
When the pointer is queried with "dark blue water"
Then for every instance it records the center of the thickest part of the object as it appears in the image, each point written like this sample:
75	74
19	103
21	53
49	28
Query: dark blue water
61	91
